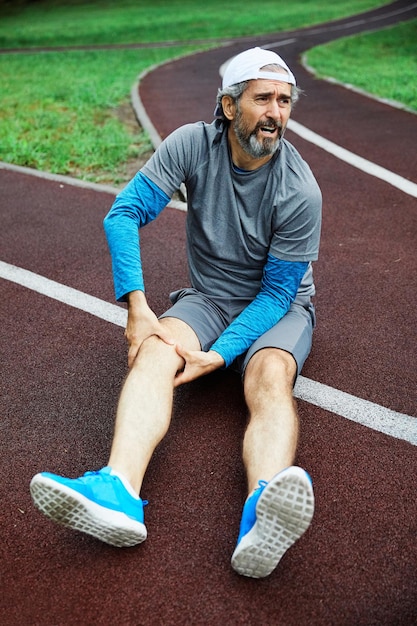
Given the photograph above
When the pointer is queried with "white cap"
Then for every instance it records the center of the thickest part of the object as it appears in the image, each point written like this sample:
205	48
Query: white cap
247	66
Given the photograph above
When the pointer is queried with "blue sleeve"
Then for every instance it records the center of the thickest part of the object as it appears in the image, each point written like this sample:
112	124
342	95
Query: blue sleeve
280	283
139	203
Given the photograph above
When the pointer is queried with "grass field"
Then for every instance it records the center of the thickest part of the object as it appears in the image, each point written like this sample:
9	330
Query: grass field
68	112
57	22
383	63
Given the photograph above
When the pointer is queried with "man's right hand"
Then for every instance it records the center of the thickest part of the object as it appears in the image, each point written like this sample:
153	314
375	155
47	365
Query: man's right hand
141	324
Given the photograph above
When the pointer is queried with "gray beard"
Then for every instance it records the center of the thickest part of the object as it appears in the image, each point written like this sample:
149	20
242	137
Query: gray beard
259	149
249	142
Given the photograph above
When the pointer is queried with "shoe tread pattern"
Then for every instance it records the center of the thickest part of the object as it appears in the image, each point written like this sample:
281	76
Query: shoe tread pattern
69	508
284	512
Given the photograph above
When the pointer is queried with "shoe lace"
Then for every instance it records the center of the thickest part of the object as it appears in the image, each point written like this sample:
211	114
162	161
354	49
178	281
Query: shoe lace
262	484
95	472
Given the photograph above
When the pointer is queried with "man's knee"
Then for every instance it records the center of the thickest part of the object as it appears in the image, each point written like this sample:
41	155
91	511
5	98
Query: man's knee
157	355
271	368
163	356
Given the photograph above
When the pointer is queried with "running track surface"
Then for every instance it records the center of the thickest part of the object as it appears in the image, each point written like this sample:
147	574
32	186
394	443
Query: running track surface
62	369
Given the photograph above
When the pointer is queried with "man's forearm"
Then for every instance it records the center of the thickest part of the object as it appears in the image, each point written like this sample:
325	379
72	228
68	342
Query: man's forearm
136	299
280	283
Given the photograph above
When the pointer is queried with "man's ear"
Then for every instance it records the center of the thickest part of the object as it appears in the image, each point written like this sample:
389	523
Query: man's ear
229	107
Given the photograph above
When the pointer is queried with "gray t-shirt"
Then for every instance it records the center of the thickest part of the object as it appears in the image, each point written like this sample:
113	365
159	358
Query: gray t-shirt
235	219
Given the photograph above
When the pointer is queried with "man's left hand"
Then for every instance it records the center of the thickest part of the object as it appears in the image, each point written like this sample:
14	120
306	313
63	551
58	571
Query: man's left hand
197	363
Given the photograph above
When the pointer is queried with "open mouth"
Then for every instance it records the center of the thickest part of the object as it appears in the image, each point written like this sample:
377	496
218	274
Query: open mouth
269	130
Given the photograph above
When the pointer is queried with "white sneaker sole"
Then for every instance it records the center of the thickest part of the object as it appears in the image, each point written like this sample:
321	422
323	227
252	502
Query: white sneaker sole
69	508
283	513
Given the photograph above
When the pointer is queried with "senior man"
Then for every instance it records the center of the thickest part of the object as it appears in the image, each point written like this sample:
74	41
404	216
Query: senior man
253	230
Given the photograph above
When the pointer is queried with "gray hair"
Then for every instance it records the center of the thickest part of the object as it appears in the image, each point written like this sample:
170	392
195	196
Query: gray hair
236	91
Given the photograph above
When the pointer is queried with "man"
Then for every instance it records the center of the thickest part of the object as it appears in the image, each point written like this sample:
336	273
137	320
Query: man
253	227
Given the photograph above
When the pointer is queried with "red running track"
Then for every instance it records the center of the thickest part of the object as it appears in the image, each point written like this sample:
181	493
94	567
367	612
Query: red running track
62	369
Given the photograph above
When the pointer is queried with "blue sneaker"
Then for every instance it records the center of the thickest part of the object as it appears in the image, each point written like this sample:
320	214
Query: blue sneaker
97	504
273	518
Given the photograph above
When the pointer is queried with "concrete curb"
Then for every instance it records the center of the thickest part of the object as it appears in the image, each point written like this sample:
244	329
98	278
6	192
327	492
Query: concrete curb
59	178
76	182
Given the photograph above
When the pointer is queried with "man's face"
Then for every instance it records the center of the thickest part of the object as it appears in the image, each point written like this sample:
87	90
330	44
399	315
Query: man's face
261	117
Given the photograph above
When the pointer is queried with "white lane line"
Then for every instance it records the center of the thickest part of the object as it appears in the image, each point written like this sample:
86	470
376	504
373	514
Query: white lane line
277	44
77	299
355	160
367	413
375	416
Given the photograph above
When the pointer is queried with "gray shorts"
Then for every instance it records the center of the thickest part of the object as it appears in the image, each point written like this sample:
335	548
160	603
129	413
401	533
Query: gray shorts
210	316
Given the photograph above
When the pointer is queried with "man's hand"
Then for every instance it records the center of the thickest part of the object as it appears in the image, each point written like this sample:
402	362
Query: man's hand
197	363
141	324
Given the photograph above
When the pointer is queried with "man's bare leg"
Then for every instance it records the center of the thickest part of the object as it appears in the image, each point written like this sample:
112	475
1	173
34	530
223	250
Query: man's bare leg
145	405
101	503
281	501
271	437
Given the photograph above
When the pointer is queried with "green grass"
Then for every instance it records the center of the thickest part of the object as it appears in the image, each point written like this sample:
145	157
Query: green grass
60	112
383	63
54	22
